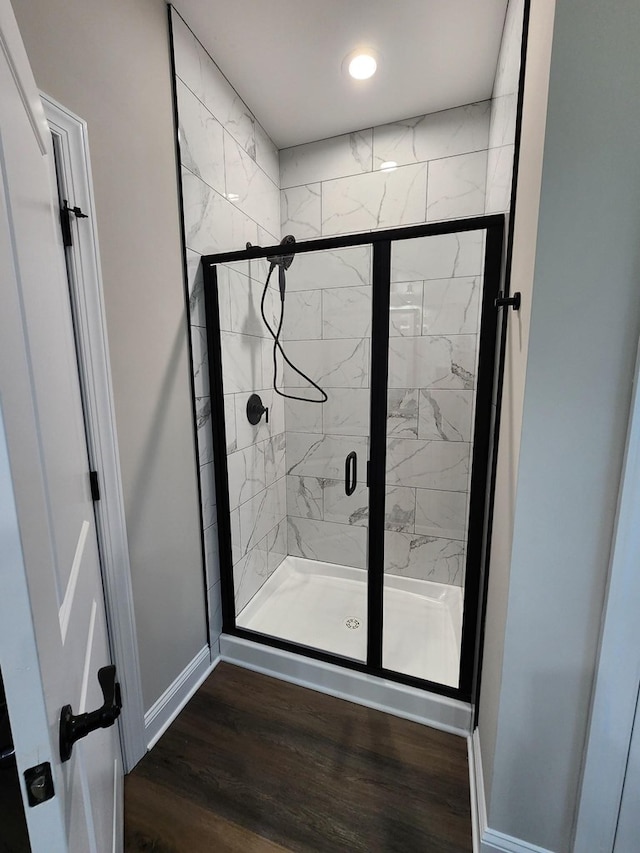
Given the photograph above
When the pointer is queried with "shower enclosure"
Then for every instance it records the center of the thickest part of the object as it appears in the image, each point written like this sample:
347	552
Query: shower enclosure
354	530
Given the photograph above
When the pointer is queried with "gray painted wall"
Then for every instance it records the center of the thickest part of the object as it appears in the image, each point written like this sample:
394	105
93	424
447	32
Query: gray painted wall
108	61
585	318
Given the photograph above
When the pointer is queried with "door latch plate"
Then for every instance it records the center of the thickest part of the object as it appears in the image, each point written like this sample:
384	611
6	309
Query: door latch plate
39	784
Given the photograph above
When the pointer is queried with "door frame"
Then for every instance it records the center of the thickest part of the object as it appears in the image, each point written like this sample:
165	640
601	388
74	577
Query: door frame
86	293
494	226
615	692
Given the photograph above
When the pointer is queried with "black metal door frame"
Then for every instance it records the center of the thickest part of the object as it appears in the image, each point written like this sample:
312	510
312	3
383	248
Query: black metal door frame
481	497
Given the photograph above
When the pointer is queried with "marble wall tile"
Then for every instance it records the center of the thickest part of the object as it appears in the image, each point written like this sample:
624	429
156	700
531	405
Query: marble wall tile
445	415
374	200
212	555
400	509
442	256
212	224
346	412
405	315
343	508
249	575
251	434
236	549
267	156
274	458
440	513
348	267
276	544
304	497
424	464
451	306
246	473
249	188
432	362
241	362
302	316
208	495
457	186
261	513
244	296
200	136
200	361
503	120
343	544
430	137
346	312
322	455
402	413
336	157
331	364
226	105
187	54
203	426
301	211
195	287
499	179
302	416
230	422
424	557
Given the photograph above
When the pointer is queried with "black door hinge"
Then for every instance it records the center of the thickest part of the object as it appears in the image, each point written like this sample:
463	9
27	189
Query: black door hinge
502	301
95	488
65	221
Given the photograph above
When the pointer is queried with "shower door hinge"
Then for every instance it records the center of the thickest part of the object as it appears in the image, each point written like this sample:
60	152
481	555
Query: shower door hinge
65	221
508	301
95	488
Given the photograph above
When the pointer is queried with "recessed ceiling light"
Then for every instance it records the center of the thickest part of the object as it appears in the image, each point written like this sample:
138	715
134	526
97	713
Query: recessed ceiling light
233	196
388	166
362	66
361	63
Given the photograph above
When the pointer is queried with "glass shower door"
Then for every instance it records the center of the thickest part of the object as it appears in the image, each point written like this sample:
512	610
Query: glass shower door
434	330
298	497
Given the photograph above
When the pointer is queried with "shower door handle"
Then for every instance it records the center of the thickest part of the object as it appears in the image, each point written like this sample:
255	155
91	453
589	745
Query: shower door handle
350	473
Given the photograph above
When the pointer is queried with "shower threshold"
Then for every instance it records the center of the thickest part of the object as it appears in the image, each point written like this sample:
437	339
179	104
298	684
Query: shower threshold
324	606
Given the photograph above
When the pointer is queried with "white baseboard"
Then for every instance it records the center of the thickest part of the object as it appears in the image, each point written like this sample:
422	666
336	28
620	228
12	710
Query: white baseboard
167	707
411	703
485	839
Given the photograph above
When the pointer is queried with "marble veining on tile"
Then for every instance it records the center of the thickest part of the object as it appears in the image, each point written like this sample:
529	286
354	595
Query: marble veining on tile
445	415
426	464
203	428
349	267
336	157
344	544
300	211
405	315
433	361
457	186
424	557
441	514
346	312
201	149
374	200
433	136
451	306
346	412
342	363
402	412
441	256
304	497
400	509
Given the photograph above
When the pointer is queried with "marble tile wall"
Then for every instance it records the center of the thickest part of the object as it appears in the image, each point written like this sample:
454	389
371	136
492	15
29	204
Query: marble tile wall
424	169
504	105
336	186
230	187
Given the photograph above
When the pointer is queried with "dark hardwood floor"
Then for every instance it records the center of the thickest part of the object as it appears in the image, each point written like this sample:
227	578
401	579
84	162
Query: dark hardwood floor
255	764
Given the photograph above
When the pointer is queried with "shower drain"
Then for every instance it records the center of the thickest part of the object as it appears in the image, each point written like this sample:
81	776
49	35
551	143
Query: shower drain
352	623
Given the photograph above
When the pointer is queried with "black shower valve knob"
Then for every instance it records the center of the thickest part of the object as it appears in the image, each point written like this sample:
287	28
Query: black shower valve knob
255	410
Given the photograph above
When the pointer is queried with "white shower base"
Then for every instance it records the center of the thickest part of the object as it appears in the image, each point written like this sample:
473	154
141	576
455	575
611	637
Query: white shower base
324	606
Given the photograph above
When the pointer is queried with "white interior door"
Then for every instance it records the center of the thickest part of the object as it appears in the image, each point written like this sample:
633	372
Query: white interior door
44	487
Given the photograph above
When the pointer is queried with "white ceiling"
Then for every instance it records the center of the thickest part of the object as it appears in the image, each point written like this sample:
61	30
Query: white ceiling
284	57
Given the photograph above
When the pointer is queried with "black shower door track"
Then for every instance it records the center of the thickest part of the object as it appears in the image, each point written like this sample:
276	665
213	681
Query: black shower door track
480	498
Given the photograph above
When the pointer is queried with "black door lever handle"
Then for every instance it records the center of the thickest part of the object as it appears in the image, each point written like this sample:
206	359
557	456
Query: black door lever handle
350	473
72	728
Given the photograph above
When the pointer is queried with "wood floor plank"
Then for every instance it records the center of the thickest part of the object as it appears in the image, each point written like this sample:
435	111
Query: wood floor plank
255	761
